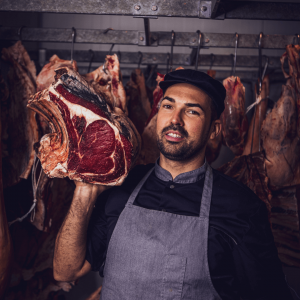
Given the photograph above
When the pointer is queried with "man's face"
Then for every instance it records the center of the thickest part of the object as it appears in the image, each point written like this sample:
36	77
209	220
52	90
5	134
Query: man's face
183	122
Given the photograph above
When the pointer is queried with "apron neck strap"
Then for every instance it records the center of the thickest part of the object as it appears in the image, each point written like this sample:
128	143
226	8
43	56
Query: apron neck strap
207	192
138	187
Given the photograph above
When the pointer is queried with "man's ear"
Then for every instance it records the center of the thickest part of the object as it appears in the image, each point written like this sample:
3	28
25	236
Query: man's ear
216	129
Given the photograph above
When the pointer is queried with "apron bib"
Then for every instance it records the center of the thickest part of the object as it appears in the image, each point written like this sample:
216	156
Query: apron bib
159	255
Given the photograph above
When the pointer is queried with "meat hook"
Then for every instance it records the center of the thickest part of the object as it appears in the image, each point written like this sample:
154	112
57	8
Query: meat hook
107	30
265	69
198	49
109	53
235	51
172	45
260	62
168	62
20	33
73	41
298	38
140	59
212	59
91	59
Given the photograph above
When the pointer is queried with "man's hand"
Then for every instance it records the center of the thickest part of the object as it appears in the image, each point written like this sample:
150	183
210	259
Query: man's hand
70	248
88	188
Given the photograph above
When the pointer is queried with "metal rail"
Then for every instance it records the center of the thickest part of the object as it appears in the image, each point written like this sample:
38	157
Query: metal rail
245	76
134	37
163	8
146	58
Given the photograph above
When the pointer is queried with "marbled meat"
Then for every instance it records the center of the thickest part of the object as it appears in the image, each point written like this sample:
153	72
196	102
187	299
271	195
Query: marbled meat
90	140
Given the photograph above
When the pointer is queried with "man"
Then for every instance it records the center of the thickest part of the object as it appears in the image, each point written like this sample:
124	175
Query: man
178	229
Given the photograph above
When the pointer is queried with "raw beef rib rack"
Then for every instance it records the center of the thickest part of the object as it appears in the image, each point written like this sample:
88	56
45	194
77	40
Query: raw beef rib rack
90	140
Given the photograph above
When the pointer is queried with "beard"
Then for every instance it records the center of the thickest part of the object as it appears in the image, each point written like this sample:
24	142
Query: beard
183	150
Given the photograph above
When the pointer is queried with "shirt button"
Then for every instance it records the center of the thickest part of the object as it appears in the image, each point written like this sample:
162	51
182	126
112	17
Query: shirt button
172	186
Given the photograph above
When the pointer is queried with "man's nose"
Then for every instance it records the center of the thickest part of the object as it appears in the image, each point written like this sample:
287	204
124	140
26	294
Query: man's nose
177	118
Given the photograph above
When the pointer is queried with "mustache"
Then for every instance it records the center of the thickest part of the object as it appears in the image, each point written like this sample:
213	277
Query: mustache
180	129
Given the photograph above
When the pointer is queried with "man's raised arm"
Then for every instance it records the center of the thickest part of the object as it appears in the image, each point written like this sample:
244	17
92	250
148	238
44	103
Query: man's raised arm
69	261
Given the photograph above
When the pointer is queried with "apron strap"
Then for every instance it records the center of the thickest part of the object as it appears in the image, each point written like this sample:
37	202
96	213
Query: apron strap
207	192
138	187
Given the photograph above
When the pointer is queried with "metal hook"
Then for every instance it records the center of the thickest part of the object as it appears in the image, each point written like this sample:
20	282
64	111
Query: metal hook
140	59
265	69
198	49
172	45
109	53
20	33
168	62
235	51
107	30
212	59
119	55
110	49
260	62
73	41
91	59
298	38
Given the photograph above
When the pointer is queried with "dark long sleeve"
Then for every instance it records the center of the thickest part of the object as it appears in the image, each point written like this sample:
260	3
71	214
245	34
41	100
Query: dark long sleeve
258	268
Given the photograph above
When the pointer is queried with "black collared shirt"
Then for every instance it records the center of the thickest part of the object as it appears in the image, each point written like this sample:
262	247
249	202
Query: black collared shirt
242	256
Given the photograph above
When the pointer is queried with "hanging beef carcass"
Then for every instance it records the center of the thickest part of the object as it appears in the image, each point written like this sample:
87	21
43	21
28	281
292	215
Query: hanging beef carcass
234	120
107	81
91	140
150	152
46	76
19	127
281	128
32	274
250	170
139	107
5	240
253	141
157	96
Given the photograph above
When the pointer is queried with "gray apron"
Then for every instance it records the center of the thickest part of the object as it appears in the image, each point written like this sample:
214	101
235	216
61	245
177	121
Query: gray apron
159	255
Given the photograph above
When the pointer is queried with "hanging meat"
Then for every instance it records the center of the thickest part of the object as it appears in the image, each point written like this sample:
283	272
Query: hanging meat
281	128
150	152
5	240
19	127
285	217
233	119
281	142
46	76
107	81
253	137
91	140
32	271
250	170
157	96
139	107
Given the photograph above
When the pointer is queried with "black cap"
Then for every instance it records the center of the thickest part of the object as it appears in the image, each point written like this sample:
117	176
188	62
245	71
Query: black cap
213	88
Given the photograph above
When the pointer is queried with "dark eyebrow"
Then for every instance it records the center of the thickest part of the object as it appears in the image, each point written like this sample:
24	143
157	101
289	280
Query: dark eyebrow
186	104
169	98
194	105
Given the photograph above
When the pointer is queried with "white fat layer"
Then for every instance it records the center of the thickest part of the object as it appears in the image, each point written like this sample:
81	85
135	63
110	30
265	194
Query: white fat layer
90	117
60	167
